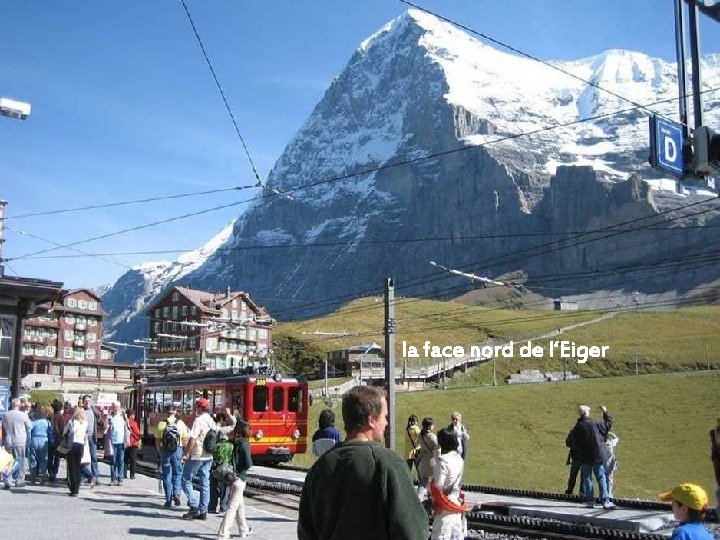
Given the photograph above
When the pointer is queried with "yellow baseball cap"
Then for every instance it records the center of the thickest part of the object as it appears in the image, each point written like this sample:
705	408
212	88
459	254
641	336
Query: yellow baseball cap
689	495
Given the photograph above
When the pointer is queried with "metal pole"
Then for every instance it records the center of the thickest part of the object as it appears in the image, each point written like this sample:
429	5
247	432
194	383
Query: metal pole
494	373
695	59
390	358
682	76
326	375
707	356
636	361
2	236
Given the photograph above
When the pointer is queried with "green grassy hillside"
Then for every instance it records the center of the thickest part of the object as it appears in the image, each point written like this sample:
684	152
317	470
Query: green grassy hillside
443	323
649	342
518	432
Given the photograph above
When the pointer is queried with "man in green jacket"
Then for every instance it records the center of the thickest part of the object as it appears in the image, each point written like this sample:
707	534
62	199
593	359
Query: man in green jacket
359	489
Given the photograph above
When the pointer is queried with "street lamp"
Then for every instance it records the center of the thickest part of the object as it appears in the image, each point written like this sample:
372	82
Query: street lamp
14	109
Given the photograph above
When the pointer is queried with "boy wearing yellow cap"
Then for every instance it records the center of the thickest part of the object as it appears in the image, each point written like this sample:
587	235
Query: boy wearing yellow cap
689	503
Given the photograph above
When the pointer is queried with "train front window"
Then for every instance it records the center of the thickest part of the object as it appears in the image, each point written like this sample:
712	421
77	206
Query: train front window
295	399
260	398
277	401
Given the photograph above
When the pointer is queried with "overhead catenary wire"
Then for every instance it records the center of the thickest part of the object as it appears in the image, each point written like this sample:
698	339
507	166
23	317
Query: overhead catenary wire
125	203
222	94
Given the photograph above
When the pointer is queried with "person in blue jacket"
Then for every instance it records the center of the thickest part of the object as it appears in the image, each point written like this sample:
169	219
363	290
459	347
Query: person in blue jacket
689	503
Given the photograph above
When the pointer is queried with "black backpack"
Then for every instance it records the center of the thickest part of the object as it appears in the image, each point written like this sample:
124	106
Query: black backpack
171	437
210	441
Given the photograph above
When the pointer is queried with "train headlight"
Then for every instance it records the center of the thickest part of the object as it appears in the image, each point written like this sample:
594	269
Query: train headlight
296	434
259	434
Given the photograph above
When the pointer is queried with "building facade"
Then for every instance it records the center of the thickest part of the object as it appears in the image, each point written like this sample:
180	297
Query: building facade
210	330
19	298
62	347
362	360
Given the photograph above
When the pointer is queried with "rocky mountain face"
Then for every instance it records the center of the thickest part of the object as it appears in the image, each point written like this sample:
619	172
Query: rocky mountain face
430	145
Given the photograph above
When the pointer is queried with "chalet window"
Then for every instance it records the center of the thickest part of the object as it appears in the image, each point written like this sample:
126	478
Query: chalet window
67	352
71	302
27	349
70	319
157	327
92	306
184	311
50	350
68	334
166	311
82	304
79	354
262	333
193	310
92	321
104	354
40	351
91	337
90	354
157	313
175	296
71	372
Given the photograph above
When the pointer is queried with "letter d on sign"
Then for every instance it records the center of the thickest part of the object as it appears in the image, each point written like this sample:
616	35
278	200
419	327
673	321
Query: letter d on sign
670	149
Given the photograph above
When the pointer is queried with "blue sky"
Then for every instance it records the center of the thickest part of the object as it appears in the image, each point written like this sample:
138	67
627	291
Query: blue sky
124	106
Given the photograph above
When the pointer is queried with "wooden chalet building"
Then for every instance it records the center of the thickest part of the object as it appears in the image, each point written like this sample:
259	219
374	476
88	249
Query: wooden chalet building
210	330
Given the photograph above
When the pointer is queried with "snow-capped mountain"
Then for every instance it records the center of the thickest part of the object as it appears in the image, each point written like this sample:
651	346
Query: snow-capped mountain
125	301
432	145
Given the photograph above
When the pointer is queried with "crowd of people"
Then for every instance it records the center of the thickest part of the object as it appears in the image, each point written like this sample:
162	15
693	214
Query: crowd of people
356	489
215	449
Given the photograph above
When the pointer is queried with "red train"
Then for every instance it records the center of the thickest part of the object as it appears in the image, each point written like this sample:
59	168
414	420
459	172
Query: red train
276	406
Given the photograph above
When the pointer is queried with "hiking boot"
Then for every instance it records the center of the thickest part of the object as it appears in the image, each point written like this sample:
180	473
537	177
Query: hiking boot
176	500
608	505
190	514
202	516
168	504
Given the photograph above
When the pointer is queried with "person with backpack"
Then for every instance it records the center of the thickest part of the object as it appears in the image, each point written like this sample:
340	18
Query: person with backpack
235	480
222	458
412	443
170	437
197	458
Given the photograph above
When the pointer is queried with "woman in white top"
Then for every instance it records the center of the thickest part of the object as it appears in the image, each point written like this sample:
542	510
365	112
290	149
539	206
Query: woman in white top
449	523
77	429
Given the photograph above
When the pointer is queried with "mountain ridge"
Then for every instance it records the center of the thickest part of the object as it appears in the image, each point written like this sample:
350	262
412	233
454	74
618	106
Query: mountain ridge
417	93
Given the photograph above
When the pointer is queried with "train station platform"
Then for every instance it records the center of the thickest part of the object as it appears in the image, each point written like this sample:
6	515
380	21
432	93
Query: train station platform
133	510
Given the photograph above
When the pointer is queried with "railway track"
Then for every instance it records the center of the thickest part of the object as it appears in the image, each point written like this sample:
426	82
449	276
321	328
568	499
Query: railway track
480	522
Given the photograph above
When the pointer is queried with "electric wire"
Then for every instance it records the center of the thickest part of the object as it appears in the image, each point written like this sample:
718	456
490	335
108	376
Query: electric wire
531	57
124	231
222	94
346	176
124	203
